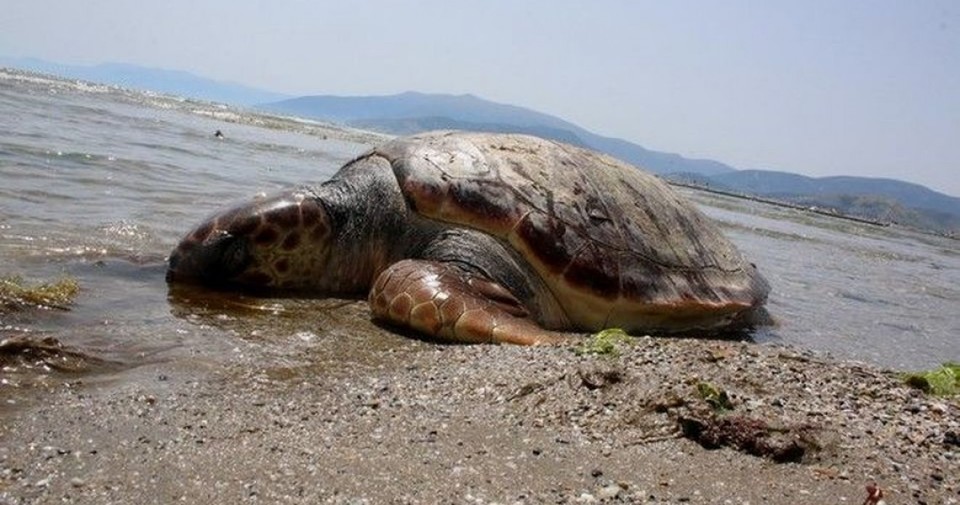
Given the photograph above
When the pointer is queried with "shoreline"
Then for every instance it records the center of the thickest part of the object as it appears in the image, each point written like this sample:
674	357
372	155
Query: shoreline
788	205
426	423
805	208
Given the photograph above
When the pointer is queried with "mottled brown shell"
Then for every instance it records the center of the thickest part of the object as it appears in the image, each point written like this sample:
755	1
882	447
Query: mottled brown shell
615	245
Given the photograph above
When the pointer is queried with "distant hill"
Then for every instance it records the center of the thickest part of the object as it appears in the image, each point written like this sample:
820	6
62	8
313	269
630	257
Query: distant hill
886	200
765	182
412	112
403	126
882	209
172	82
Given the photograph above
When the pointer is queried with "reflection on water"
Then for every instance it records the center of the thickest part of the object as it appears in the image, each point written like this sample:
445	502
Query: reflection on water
99	183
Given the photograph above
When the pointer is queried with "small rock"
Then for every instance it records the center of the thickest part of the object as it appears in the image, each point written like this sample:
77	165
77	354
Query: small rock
608	492
77	482
586	498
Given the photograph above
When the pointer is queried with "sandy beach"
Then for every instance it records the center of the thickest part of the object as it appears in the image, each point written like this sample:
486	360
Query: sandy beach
333	419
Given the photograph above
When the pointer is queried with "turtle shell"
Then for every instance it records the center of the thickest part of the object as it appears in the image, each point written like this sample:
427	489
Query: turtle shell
616	246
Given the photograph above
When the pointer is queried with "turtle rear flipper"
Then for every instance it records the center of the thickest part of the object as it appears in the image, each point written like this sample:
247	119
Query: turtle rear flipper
445	302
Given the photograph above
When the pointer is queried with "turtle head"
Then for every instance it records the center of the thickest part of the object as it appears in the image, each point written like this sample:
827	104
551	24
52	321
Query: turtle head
275	242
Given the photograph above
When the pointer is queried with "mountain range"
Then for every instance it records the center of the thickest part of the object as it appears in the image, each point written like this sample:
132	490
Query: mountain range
885	200
412	112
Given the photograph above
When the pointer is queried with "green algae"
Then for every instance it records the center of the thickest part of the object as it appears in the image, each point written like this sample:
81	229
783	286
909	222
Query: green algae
717	398
941	381
604	343
16	294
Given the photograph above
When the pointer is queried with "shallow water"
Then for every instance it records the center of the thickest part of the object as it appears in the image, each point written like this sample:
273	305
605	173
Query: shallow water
99	183
880	294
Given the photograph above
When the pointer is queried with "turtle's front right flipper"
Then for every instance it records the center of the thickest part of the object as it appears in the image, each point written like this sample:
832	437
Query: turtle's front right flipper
442	301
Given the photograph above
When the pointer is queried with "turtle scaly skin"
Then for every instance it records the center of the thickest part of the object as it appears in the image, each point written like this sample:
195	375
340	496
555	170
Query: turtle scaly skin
473	237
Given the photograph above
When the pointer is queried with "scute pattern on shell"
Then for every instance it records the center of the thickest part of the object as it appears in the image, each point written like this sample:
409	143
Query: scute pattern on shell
615	244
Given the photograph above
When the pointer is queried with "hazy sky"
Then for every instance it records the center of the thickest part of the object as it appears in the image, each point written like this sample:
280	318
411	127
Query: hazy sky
832	87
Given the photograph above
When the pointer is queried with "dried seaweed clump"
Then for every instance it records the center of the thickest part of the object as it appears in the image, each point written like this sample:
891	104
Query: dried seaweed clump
718	426
782	444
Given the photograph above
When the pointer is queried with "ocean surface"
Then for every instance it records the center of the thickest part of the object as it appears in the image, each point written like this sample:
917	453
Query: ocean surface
98	183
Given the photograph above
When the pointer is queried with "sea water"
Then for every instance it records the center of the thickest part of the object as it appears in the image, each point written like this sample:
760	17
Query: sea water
98	183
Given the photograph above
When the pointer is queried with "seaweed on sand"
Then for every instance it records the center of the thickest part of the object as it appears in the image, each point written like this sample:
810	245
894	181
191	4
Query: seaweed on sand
941	381
604	343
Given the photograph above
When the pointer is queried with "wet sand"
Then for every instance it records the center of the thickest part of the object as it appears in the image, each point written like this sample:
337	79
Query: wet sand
341	417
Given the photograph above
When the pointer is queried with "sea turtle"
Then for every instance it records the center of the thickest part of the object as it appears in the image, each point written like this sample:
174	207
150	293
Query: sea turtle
477	237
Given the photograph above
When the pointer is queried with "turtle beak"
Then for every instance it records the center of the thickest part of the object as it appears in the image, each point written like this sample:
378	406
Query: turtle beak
219	251
214	259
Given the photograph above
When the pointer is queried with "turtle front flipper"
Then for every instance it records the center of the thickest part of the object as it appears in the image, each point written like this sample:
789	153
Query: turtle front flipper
445	302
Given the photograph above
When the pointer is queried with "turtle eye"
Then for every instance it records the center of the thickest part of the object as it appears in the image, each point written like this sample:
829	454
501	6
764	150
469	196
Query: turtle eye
235	255
231	258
